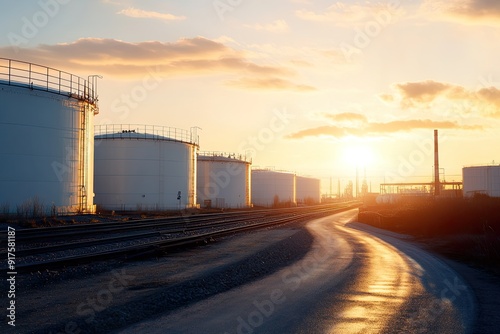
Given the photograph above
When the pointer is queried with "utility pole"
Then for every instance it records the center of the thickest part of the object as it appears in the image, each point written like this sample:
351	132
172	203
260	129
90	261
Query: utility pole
357	182
338	188
331	191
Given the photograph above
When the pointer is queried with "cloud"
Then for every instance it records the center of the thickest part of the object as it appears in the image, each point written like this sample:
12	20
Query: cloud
304	2
270	83
106	53
188	56
370	129
427	94
326	130
421	92
301	63
338	12
464	11
337	56
345	14
489	95
347	117
277	26
409	125
139	13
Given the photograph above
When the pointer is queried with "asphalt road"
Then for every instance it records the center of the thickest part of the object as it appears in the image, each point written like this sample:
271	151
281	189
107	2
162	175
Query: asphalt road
355	279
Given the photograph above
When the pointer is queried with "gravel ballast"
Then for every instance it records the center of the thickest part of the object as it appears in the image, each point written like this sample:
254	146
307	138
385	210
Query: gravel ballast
137	291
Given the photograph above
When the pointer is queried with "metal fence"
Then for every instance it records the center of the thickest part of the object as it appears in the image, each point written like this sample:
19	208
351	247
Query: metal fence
38	77
216	154
141	131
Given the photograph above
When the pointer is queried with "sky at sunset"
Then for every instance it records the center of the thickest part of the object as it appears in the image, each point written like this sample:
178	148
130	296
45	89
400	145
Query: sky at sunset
315	87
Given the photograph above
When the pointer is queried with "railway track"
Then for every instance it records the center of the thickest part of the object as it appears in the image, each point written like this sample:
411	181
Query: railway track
58	247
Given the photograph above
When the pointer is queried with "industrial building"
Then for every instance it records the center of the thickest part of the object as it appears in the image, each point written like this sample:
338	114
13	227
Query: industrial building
223	180
145	167
484	180
392	192
46	131
308	190
273	188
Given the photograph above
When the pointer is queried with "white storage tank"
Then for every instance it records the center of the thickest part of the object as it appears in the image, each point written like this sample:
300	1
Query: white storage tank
145	167
223	180
273	188
308	190
481	180
47	134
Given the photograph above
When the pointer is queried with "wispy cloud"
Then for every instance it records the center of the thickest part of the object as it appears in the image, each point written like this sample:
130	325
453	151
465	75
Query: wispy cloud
188	56
425	94
277	26
347	117
357	125
301	63
415	93
270	83
304	2
335	55
464	11
139	13
344	13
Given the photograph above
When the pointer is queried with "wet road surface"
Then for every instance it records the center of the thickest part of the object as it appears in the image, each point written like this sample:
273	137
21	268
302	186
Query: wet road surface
355	279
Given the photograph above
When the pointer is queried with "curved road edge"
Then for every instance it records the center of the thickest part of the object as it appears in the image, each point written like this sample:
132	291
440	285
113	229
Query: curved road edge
445	285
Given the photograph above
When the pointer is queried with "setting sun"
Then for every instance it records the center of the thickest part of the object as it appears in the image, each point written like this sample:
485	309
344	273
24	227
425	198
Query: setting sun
359	156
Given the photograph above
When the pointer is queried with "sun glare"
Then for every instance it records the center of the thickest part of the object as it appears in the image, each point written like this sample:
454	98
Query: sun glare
359	156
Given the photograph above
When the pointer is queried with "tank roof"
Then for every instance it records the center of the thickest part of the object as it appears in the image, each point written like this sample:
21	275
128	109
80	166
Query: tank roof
141	131
223	156
308	177
132	135
271	170
482	166
42	78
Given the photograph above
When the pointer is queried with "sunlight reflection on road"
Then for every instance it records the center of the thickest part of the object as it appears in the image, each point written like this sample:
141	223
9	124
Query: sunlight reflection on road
381	290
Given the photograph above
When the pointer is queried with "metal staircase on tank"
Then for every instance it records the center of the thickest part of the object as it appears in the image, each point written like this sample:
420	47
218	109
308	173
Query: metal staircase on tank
89	107
83	159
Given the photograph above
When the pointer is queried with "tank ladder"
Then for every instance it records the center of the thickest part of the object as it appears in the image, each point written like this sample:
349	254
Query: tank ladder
83	159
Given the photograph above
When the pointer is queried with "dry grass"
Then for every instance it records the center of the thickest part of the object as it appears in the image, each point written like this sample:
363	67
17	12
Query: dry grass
463	229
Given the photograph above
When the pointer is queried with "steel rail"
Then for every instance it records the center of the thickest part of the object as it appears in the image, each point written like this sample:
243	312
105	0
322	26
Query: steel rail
168	245
159	232
63	232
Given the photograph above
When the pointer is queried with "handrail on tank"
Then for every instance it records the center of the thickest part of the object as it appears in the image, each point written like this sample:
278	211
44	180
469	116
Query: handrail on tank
488	164
228	155
39	77
143	131
271	169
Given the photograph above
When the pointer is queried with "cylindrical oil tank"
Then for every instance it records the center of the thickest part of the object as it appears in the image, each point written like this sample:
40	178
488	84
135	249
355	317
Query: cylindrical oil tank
308	190
47	134
271	188
144	167
223	180
483	180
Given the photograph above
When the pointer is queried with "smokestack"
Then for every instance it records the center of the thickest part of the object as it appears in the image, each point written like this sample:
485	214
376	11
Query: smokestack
436	164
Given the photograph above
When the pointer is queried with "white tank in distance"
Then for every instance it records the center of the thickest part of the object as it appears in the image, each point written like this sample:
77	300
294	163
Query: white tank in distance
46	131
484	180
145	168
308	190
271	188
223	180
